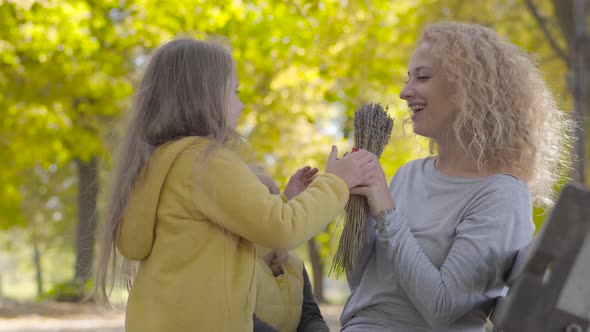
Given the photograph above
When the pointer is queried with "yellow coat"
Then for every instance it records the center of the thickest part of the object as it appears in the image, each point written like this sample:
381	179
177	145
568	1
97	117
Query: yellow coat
280	299
192	224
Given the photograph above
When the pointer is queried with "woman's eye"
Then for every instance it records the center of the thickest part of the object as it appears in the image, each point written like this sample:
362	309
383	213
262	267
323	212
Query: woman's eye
418	78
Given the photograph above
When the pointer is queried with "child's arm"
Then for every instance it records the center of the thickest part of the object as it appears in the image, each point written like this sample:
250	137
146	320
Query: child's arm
265	179
311	318
226	192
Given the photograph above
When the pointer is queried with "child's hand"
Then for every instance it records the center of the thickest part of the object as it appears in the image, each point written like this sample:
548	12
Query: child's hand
299	181
268	258
274	261
354	168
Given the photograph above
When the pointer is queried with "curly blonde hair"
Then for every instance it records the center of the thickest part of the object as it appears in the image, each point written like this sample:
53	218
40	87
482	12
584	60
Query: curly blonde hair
507	119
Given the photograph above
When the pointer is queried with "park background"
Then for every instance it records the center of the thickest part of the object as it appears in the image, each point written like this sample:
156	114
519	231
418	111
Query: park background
67	73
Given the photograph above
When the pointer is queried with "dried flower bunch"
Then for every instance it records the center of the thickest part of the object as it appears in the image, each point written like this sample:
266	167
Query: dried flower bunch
372	130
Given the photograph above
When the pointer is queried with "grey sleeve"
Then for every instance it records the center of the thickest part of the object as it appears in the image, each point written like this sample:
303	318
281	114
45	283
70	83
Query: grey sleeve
311	318
485	241
355	275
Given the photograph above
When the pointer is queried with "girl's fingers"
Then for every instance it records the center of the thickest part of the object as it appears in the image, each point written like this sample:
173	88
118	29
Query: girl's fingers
356	154
312	172
305	169
369	166
364	153
360	154
333	153
302	172
310	180
365	159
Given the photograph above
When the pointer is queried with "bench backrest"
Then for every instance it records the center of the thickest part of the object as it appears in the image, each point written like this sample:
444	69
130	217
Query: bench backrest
550	280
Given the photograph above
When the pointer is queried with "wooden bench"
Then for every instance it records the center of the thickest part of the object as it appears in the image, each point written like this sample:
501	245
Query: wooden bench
550	280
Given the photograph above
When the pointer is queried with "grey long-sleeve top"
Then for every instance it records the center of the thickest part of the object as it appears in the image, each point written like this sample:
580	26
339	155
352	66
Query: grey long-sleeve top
438	261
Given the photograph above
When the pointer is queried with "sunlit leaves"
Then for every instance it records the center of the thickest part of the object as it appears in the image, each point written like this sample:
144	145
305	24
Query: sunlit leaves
67	69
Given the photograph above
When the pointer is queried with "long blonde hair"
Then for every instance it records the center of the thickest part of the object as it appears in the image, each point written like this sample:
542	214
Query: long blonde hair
184	92
507	119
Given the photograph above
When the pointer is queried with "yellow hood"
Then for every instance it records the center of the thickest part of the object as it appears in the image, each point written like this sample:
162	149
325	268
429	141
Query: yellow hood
136	233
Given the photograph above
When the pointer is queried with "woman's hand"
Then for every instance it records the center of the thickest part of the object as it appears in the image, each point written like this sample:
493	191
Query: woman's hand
299	181
376	191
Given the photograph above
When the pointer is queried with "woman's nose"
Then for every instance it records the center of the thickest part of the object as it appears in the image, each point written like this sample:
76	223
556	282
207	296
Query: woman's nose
407	92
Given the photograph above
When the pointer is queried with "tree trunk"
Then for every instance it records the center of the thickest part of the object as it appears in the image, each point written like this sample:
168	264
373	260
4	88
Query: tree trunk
318	270
87	196
37	263
564	12
579	86
572	19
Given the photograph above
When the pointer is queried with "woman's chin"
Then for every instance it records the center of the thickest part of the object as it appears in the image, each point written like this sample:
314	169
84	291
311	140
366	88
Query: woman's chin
419	130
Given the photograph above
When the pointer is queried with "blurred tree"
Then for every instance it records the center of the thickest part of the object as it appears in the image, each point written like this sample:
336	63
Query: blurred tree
573	20
48	207
65	72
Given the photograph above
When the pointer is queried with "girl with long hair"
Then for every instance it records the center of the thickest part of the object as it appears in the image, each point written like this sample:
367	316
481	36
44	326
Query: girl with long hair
186	209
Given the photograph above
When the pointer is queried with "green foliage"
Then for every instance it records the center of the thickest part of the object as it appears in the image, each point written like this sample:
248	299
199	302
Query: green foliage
69	291
64	71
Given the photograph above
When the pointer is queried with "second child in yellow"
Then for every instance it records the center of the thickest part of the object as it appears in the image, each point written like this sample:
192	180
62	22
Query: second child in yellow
285	301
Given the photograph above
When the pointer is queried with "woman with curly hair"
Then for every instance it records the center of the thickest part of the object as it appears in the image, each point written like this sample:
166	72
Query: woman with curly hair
446	232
